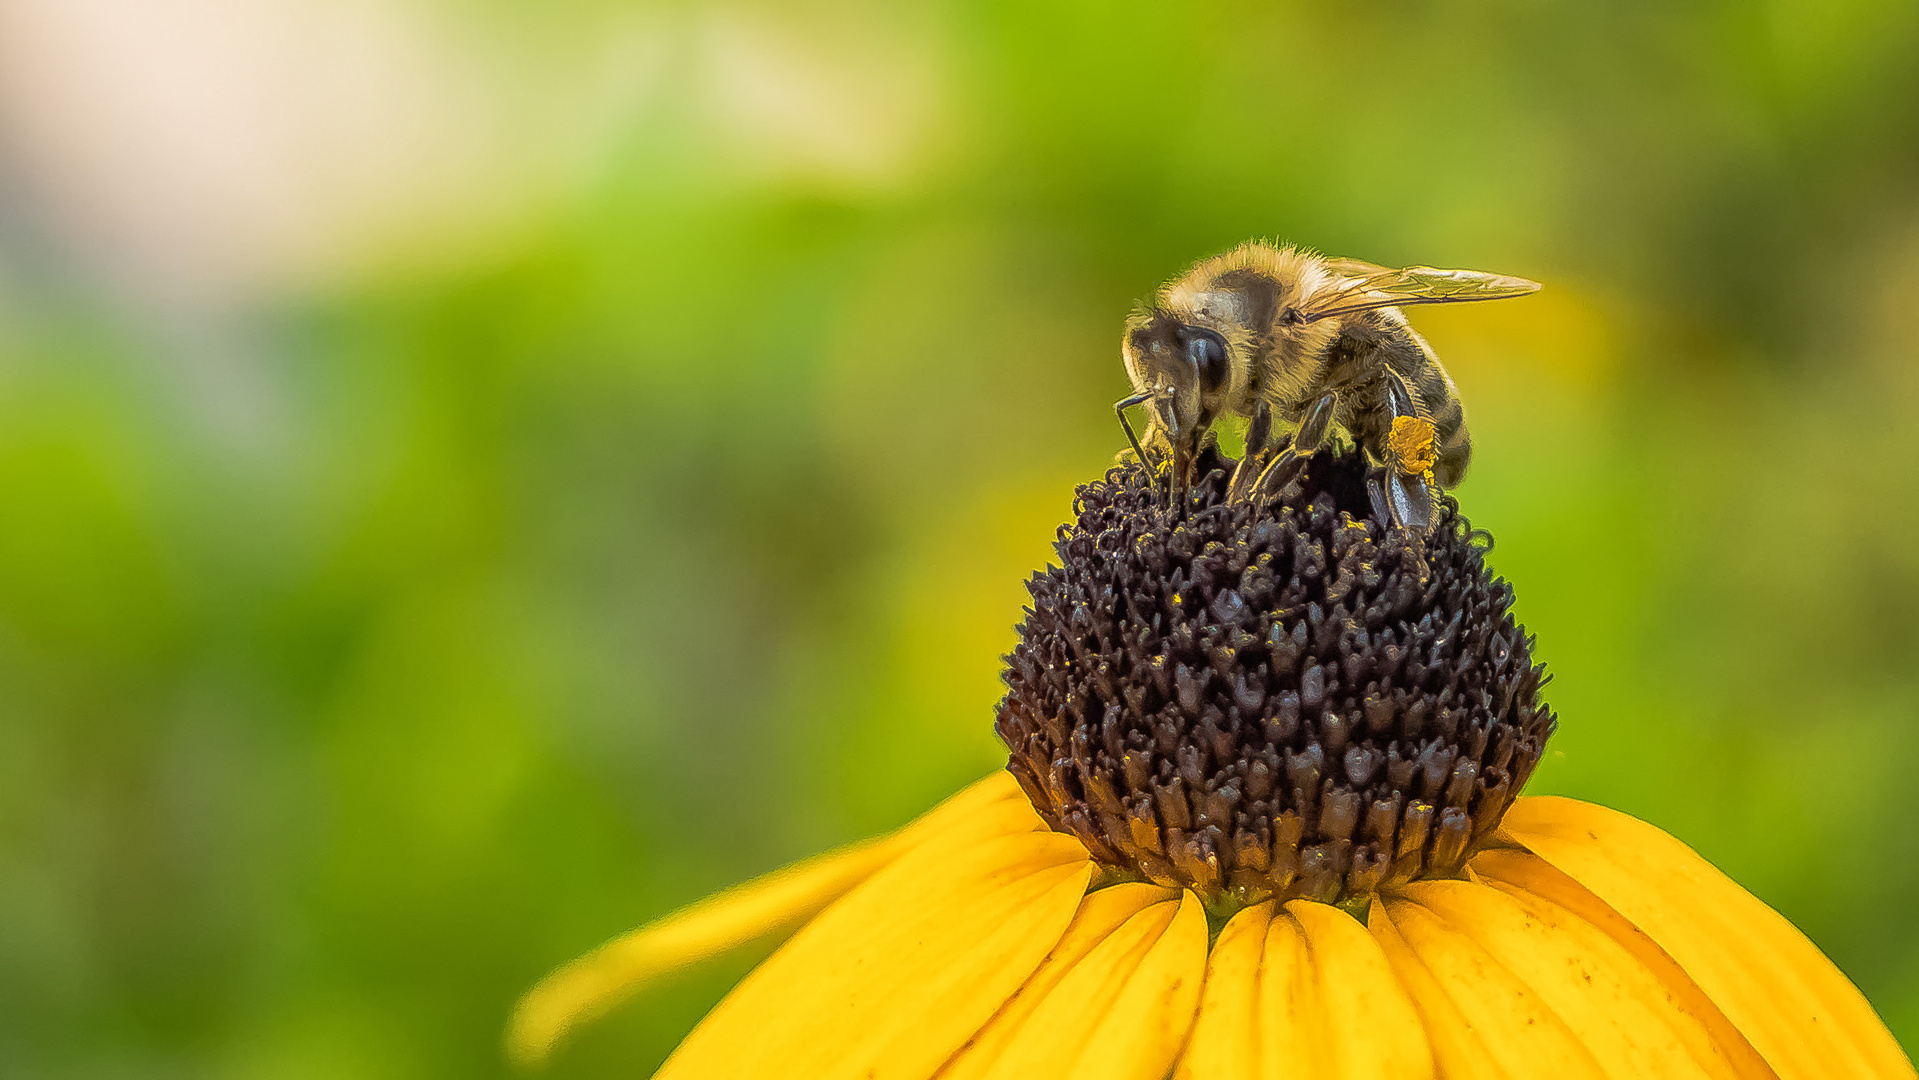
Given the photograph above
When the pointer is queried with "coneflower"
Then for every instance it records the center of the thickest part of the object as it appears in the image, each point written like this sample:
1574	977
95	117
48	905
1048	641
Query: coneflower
1260	819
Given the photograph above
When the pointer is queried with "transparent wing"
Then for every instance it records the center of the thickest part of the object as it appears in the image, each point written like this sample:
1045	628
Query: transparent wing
1355	268
1365	286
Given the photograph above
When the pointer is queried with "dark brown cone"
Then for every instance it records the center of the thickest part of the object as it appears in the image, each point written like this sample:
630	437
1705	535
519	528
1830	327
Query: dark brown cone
1270	698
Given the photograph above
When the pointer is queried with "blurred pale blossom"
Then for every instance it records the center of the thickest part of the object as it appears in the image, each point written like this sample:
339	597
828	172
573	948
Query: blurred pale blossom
202	152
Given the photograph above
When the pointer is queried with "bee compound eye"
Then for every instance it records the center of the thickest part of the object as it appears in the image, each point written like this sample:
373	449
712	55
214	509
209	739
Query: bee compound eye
1207	353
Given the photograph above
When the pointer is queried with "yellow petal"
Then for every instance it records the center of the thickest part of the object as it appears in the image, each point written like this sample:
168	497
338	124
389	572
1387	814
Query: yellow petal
1147	1020
1113	1001
1102	912
1483	1020
888	982
1367	1025
593	984
1226	1038
1306	993
1525	874
1795	1007
1618	1010
1456	1045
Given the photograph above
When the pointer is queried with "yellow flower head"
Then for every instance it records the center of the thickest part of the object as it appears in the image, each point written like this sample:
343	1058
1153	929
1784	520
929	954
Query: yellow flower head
1260	820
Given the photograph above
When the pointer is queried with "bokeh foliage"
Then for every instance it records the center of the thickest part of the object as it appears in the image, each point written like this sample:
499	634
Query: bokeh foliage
679	535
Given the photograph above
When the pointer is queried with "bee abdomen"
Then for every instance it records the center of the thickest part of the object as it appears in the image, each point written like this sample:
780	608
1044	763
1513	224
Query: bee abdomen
1441	400
1455	451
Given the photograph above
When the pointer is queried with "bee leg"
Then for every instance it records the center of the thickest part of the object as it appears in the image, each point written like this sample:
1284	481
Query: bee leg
1120	408
1313	429
1408	459
1316	424
1258	433
1376	491
1412	501
1145	462
1399	398
1176	466
1400	501
1285	468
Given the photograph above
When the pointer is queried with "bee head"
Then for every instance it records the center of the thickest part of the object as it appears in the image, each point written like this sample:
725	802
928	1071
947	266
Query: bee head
1188	370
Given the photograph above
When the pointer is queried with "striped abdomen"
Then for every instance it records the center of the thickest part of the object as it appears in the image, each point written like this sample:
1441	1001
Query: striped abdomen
1440	400
1382	340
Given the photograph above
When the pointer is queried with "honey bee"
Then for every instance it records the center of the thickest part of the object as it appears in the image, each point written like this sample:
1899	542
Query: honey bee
1278	334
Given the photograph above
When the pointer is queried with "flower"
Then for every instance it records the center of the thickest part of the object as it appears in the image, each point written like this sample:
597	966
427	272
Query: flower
1260	819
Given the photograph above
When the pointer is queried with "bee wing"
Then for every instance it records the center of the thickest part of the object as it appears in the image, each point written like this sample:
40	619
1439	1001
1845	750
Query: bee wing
1355	268
1379	287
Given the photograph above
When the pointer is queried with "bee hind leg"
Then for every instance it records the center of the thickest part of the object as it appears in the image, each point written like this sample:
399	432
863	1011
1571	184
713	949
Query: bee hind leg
1376	491
1409	455
1400	500
1412	499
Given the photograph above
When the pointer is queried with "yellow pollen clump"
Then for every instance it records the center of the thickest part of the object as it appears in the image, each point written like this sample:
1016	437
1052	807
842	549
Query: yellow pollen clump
1412	442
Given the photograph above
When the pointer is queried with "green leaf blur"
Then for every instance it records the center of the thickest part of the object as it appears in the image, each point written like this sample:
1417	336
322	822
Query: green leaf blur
379	640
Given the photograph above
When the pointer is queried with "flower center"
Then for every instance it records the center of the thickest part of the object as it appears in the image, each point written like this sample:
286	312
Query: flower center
1270	697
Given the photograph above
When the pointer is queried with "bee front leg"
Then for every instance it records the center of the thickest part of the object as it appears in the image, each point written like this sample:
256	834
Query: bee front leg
1145	462
1125	425
1313	429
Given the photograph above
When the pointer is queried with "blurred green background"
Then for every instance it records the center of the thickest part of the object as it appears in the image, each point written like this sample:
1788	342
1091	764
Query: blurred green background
474	477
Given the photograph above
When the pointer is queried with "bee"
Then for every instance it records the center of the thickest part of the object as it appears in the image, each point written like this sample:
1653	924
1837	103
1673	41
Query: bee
1277	334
